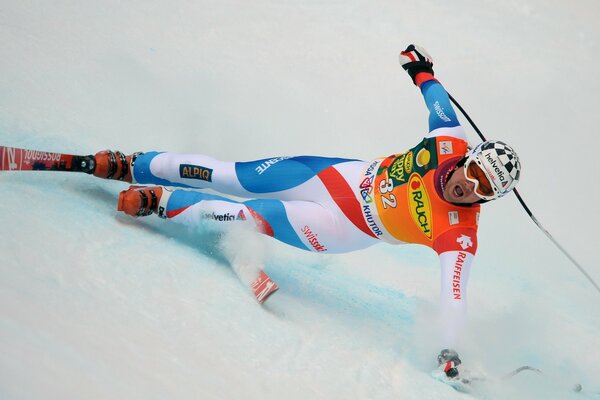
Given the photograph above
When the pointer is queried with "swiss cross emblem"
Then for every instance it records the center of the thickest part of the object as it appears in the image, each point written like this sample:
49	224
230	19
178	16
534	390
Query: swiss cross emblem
464	241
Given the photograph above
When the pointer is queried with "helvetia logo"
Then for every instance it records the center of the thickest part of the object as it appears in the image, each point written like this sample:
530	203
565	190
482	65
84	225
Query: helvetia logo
499	173
419	204
190	171
226	217
241	216
219	217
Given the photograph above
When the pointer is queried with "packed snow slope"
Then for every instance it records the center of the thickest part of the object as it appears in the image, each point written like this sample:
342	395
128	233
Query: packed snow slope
98	305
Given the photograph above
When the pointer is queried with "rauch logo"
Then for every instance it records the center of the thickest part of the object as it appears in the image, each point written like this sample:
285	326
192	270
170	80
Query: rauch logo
419	204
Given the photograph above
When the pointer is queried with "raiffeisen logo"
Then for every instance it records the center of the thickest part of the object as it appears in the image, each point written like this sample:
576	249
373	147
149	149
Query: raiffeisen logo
419	204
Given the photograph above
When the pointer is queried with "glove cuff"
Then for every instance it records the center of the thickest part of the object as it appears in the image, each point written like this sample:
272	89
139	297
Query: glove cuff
423	77
415	69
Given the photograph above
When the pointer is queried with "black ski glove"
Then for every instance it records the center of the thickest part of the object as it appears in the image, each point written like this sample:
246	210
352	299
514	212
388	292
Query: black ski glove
415	59
448	361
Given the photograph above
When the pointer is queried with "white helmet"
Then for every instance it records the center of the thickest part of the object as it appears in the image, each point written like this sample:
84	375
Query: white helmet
500	164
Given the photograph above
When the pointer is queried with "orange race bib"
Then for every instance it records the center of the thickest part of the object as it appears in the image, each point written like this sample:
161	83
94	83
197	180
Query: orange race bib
401	203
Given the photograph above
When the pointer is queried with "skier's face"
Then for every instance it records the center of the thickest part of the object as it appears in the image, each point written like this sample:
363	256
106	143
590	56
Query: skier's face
459	189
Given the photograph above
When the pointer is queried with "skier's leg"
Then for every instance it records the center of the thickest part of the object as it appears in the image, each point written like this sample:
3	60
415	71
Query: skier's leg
306	225
286	178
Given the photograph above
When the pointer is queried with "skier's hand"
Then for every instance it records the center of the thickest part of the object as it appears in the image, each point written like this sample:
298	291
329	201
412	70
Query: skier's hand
448	362
415	59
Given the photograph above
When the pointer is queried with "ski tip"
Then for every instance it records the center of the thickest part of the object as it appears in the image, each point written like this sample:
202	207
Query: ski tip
263	287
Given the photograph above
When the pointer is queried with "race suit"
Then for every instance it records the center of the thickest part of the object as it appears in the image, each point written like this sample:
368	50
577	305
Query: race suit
337	205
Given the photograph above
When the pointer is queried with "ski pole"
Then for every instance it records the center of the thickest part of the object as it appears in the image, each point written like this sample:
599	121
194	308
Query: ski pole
527	210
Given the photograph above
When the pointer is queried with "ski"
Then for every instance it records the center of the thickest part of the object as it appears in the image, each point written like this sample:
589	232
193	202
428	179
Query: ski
16	159
517	371
263	287
468	383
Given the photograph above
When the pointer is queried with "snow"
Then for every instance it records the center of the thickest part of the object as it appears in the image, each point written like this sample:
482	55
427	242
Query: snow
97	305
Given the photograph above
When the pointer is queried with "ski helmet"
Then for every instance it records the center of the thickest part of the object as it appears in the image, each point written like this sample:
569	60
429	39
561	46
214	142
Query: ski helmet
500	164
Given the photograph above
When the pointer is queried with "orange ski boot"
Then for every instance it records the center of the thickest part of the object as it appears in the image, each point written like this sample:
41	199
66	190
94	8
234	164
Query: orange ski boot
139	201
114	165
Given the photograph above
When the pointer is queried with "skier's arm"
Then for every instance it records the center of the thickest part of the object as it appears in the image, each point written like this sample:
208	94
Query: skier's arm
456	248
442	118
455	266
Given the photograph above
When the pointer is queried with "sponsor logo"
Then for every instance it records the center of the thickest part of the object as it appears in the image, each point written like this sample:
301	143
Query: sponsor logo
446	147
453	217
189	171
440	112
371	220
396	170
401	167
15	158
220	217
366	192
419	204
162	213
8	153
371	168
408	162
423	157
367	183
456	289
464	241
366	188
499	172
241	216
313	239
268	163
32	155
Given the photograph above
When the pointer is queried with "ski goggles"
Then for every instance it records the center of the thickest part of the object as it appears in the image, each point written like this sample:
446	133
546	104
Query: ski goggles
475	174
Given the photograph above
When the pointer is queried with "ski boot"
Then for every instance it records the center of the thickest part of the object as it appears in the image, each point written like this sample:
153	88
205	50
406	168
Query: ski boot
140	201
114	165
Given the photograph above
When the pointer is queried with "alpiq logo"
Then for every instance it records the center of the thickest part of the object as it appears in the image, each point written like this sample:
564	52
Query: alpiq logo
190	171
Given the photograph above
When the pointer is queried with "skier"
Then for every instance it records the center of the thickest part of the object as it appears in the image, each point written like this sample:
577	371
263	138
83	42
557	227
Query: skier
430	194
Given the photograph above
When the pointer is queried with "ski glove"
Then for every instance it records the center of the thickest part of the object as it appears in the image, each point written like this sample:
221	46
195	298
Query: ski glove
415	59
448	361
